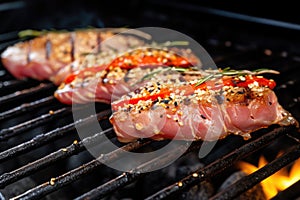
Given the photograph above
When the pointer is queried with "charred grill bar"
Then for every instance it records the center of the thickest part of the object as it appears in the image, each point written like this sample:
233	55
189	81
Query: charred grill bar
248	182
31	145
221	164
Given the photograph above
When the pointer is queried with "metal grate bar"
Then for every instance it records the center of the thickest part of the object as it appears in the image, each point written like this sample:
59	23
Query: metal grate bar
221	164
77	173
4	45
25	92
128	177
26	107
12	83
15	130
251	180
291	192
41	163
8	36
41	139
2	73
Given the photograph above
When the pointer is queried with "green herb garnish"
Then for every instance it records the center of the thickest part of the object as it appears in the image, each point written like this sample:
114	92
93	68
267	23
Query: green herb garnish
35	33
230	72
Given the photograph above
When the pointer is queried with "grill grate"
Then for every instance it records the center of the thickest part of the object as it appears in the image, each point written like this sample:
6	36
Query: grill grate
22	94
32	167
41	139
76	173
20	128
35	129
220	164
251	180
26	107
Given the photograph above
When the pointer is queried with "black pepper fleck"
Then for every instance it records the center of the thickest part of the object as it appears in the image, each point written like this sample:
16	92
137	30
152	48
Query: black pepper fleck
234	82
186	101
137	90
165	101
220	99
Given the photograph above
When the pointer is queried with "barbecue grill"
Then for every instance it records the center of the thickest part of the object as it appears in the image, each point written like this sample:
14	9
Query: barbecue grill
42	156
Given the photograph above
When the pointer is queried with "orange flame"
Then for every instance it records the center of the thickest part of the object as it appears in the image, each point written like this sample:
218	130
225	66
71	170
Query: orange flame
278	181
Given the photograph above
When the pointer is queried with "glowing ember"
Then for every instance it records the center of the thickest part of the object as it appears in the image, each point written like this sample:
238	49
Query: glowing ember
278	181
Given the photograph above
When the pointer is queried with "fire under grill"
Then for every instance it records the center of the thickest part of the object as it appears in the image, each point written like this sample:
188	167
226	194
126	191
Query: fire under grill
43	157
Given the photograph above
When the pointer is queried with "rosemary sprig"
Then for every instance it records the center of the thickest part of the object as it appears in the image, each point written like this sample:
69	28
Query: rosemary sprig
170	44
204	79
152	45
158	71
230	72
209	74
35	33
31	33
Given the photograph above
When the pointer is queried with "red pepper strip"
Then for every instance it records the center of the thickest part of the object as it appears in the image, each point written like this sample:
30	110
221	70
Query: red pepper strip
250	80
163	93
140	59
83	73
231	81
70	78
137	58
189	89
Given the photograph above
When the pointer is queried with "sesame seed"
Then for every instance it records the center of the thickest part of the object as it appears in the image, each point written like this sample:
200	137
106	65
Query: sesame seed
242	78
156	131
202	116
180	123
52	181
256	83
139	126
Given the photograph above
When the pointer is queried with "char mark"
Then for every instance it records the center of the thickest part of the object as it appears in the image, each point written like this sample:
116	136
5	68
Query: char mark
48	47
99	40
29	52
72	42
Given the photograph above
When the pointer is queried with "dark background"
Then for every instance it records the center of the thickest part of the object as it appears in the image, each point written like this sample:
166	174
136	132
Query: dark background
201	20
45	14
